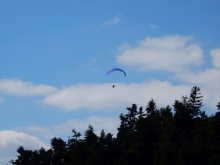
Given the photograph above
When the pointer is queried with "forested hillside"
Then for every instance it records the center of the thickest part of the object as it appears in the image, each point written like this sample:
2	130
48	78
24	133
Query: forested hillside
180	134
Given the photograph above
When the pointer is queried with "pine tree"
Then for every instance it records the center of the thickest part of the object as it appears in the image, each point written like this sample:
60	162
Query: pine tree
74	139
151	108
90	137
102	138
60	155
195	102
24	157
131	117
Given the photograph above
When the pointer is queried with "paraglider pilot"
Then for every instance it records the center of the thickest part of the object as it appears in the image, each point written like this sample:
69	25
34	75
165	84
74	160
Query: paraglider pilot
115	69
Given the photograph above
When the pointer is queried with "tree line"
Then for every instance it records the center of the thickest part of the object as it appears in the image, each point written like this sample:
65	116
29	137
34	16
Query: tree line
180	135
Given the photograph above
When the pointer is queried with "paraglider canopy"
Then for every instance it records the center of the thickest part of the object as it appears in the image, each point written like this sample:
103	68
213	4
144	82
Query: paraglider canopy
116	69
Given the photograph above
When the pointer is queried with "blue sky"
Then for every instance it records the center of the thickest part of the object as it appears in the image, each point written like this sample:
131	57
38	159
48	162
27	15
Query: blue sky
55	55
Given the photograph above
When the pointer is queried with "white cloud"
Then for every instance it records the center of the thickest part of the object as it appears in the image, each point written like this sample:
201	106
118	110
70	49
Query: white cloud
101	96
113	21
18	87
169	53
178	54
215	53
97	96
109	124
208	80
11	140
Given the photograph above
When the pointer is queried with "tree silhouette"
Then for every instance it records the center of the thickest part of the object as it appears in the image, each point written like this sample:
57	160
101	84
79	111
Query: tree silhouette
195	102
59	148
74	139
179	135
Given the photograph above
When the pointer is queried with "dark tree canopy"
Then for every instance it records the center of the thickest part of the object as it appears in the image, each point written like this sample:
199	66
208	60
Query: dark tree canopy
155	136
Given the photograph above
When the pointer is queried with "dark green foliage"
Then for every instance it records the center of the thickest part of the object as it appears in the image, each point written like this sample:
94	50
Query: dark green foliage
184	135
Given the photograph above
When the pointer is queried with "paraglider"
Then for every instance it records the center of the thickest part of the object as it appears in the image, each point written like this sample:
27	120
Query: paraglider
116	69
